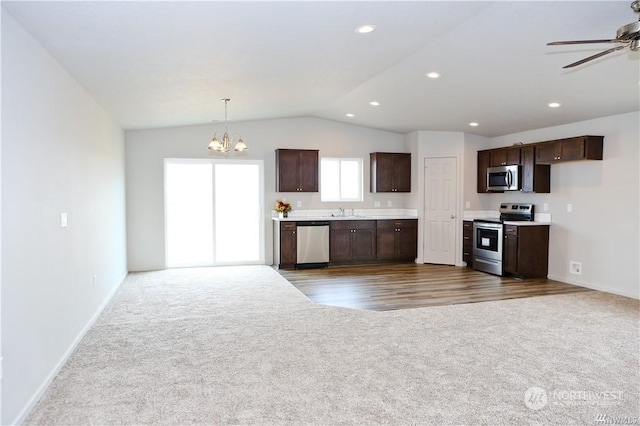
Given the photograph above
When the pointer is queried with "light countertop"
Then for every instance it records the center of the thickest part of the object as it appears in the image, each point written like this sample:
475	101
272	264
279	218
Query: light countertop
327	218
525	223
348	214
540	219
516	222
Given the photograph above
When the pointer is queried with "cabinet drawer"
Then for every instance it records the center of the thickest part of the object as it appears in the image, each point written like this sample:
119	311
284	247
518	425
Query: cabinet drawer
511	230
353	224
399	223
288	226
467	225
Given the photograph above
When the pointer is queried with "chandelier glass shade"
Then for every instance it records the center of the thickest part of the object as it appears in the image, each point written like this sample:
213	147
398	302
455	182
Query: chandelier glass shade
224	144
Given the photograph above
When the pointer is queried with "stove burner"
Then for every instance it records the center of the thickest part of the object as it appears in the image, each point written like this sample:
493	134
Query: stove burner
516	212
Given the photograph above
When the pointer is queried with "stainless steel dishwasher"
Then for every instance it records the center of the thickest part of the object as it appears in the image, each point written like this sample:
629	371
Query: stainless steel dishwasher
313	244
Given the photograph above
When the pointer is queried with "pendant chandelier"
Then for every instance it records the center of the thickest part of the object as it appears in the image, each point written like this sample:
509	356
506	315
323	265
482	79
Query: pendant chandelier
223	145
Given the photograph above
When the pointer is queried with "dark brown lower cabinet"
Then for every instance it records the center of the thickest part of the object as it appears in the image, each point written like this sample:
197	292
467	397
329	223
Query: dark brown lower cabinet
397	239
467	242
526	251
287	244
352	241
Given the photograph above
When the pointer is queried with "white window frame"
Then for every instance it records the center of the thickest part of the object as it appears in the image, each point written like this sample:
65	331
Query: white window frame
360	162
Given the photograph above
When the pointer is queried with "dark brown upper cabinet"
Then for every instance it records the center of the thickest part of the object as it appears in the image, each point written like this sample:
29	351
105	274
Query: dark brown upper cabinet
484	160
535	177
296	170
536	158
504	156
570	149
390	172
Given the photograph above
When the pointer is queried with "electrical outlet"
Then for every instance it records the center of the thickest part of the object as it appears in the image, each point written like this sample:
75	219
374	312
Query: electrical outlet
467	205
389	203
95	280
299	204
64	220
376	204
569	208
545	207
575	267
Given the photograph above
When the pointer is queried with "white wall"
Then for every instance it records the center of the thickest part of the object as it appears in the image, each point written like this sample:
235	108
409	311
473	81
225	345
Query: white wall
602	231
147	149
61	153
0	251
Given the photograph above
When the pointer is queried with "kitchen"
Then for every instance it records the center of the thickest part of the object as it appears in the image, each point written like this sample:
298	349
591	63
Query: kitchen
589	186
64	151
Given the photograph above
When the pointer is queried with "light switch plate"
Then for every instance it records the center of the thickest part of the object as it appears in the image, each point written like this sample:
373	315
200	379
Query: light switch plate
389	203
299	204
545	207
569	208
63	220
376	203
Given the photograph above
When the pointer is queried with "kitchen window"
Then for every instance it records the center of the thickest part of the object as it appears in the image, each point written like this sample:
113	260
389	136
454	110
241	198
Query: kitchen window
341	179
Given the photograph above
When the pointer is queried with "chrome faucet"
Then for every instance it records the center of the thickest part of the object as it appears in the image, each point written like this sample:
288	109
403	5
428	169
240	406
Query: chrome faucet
341	211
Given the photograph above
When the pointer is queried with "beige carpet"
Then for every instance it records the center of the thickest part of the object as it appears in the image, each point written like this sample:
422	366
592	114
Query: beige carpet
240	345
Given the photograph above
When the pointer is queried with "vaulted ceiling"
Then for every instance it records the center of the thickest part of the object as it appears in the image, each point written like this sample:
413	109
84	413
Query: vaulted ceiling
160	64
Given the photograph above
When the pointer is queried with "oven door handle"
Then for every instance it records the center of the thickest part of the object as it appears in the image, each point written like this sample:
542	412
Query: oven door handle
488	225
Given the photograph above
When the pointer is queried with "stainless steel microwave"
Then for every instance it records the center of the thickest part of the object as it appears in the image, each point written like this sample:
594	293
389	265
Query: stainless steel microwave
504	178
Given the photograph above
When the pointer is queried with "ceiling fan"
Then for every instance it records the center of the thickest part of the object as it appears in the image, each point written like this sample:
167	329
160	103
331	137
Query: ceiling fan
627	34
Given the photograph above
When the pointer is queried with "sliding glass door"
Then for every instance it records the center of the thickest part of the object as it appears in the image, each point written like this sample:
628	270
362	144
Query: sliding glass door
213	212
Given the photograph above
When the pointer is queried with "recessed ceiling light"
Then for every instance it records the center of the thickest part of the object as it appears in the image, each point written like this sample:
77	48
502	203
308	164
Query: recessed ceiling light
350	115
374	103
433	74
473	124
364	29
554	105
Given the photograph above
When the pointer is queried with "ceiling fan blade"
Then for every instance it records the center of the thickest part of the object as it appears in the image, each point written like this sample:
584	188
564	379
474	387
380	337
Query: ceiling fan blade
591	58
561	43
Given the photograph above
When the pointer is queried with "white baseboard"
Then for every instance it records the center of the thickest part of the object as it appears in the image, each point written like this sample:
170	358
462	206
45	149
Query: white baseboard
24	413
570	280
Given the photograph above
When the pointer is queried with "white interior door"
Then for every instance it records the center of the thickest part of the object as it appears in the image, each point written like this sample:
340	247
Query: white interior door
213	213
440	207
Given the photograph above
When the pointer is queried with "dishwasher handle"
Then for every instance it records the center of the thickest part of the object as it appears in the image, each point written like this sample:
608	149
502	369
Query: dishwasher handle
325	223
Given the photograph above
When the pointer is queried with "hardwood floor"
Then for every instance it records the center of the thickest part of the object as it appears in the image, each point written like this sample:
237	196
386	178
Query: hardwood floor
410	285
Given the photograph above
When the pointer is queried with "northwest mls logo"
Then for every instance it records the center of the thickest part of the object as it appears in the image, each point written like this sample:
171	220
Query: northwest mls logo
535	398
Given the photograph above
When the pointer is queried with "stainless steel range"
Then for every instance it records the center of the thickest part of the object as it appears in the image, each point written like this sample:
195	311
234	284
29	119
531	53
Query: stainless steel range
488	236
